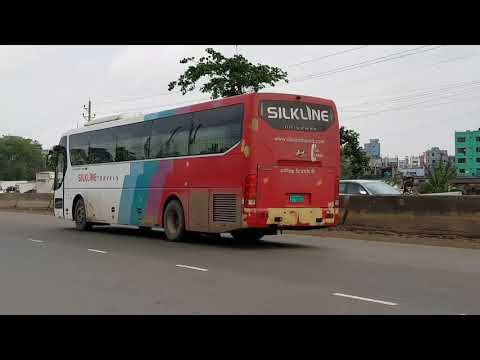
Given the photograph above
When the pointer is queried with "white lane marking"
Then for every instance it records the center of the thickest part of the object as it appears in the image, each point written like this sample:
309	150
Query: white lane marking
191	267
365	299
99	251
37	241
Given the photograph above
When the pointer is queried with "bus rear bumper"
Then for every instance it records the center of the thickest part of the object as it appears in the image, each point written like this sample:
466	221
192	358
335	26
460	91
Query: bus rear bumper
292	217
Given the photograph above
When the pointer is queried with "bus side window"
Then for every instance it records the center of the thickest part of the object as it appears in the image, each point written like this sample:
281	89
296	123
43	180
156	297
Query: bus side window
216	130
132	141
79	149
170	136
102	146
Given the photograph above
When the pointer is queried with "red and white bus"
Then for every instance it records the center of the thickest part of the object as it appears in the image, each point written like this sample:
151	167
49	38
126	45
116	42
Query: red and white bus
248	165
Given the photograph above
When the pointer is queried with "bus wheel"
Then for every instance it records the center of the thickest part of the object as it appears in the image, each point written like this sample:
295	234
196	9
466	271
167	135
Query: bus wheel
247	235
81	216
174	221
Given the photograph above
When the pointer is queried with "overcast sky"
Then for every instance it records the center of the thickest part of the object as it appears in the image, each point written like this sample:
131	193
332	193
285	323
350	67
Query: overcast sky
410	97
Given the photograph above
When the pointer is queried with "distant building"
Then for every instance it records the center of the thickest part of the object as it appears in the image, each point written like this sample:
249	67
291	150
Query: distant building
375	165
467	153
415	162
390	162
373	148
422	160
451	161
416	172
44	182
403	163
434	157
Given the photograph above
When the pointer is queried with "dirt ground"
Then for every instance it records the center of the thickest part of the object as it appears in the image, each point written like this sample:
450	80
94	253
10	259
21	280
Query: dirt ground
385	236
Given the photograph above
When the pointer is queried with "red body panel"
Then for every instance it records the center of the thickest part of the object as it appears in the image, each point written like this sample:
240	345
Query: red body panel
275	156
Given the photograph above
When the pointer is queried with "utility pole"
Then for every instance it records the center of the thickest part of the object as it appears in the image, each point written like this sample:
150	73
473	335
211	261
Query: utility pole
89	115
236	49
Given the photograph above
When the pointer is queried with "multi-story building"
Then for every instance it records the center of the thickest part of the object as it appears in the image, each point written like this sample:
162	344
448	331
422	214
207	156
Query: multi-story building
373	148
467	153
390	162
403	163
415	162
451	161
422	160
434	157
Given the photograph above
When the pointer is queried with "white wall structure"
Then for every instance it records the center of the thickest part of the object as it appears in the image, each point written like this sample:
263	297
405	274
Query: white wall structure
6	184
25	187
44	182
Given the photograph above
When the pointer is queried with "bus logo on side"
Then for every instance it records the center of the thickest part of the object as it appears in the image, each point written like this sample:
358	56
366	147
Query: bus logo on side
300	153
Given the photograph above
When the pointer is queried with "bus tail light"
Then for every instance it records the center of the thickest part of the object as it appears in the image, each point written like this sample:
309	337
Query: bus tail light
250	195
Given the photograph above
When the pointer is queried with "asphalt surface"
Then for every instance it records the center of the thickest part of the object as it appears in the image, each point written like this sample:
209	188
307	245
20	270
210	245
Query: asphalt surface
47	267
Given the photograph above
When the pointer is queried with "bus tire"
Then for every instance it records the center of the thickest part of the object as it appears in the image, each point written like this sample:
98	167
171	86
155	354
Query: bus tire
81	222
247	235
174	221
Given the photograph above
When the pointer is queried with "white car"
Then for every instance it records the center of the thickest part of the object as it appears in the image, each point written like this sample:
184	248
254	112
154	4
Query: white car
367	187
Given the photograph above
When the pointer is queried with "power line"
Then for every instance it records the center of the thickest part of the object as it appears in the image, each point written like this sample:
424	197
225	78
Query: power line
374	61
135	98
370	62
326	56
418	94
409	105
159	106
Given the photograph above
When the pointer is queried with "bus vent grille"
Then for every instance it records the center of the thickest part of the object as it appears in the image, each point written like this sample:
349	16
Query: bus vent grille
225	207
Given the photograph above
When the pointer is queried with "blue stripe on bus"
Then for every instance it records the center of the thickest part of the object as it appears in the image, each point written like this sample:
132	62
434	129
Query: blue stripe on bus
158	115
128	192
140	197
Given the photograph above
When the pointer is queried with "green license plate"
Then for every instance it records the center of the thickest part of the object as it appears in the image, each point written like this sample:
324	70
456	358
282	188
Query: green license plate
296	198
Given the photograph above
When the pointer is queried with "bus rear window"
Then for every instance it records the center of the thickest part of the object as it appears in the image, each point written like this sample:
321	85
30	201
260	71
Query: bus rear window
297	116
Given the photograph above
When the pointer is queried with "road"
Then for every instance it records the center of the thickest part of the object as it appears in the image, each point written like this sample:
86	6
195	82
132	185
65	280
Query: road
47	267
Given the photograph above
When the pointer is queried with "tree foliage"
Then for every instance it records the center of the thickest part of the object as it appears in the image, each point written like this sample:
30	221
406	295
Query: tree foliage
20	158
438	180
355	162
226	76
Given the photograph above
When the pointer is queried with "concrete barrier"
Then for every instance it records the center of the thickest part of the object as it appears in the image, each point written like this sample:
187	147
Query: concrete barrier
432	215
26	201
418	215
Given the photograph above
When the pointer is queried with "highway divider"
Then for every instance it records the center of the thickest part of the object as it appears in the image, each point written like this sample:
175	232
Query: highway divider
32	201
417	215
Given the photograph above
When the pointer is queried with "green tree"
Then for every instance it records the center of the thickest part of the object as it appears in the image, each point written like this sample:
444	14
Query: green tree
226	76
395	180
438	180
51	160
20	158
354	160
